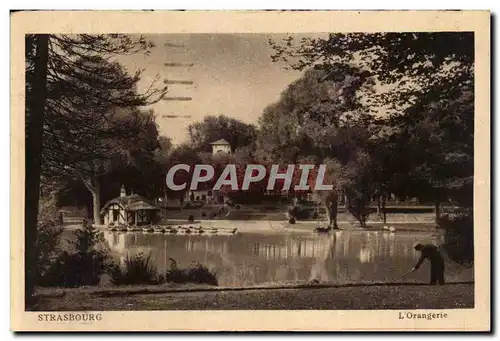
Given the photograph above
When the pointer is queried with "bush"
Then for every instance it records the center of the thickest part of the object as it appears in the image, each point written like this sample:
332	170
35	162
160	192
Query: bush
136	270
358	207
48	209
48	238
195	274
459	237
75	270
301	212
191	218
82	266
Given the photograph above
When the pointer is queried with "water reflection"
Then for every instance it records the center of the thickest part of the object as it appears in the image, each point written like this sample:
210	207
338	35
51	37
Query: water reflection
251	258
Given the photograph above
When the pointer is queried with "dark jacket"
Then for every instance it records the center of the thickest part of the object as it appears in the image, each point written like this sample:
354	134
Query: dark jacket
431	252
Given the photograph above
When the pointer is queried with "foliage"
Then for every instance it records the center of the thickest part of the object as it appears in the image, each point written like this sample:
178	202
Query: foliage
459	237
182	154
413	62
214	128
423	144
194	274
48	210
91	122
84	265
310	119
48	237
136	270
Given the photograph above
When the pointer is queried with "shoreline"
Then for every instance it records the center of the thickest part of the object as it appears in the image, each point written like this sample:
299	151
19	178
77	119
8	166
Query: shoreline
171	288
272	226
291	297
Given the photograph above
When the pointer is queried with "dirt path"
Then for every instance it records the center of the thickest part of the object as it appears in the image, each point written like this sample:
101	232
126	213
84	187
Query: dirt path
402	296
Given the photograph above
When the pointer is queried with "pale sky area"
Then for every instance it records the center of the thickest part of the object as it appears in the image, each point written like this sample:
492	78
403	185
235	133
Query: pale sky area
233	75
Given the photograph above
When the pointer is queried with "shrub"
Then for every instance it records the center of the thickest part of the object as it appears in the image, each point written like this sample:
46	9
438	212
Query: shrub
300	211
136	270
358	207
198	273
191	218
459	237
48	209
75	269
48	238
82	266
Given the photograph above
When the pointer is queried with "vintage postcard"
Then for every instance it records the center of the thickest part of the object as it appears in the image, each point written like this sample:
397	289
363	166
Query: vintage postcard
250	171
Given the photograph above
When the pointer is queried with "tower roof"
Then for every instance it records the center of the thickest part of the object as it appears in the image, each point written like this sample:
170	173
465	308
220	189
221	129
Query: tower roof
220	142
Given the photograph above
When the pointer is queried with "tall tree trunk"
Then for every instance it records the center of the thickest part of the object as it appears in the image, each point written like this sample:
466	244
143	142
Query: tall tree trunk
331	206
94	188
437	210
96	202
361	218
384	213
33	163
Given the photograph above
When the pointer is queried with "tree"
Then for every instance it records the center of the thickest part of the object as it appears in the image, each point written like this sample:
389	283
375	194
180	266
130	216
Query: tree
439	135
428	79
412	62
182	154
92	120
213	128
165	146
310	117
54	65
321	118
37	53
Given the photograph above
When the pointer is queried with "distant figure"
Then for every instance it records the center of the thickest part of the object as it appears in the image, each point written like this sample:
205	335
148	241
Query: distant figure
432	253
61	218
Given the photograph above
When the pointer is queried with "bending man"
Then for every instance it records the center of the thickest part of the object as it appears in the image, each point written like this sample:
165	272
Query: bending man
432	253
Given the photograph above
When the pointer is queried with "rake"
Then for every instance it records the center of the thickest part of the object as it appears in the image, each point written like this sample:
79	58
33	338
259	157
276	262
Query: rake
400	278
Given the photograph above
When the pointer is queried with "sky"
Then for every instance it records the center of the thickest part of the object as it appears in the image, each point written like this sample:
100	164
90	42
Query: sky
232	75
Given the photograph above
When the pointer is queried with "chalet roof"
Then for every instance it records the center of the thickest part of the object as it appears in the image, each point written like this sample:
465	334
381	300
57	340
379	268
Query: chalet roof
220	142
132	202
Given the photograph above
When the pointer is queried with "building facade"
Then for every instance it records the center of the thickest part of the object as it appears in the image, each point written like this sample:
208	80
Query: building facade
221	146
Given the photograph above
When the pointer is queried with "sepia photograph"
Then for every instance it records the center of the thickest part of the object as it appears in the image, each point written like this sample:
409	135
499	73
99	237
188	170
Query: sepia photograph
289	170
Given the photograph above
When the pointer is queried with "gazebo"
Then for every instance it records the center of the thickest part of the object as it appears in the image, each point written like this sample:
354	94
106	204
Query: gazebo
129	210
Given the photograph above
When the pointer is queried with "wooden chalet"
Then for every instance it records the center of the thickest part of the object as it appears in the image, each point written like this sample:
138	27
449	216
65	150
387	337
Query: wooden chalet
129	210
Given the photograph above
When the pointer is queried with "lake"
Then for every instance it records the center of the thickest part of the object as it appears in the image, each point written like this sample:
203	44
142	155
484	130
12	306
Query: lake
248	258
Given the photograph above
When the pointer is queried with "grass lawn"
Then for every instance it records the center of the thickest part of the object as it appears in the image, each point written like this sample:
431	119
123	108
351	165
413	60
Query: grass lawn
397	296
